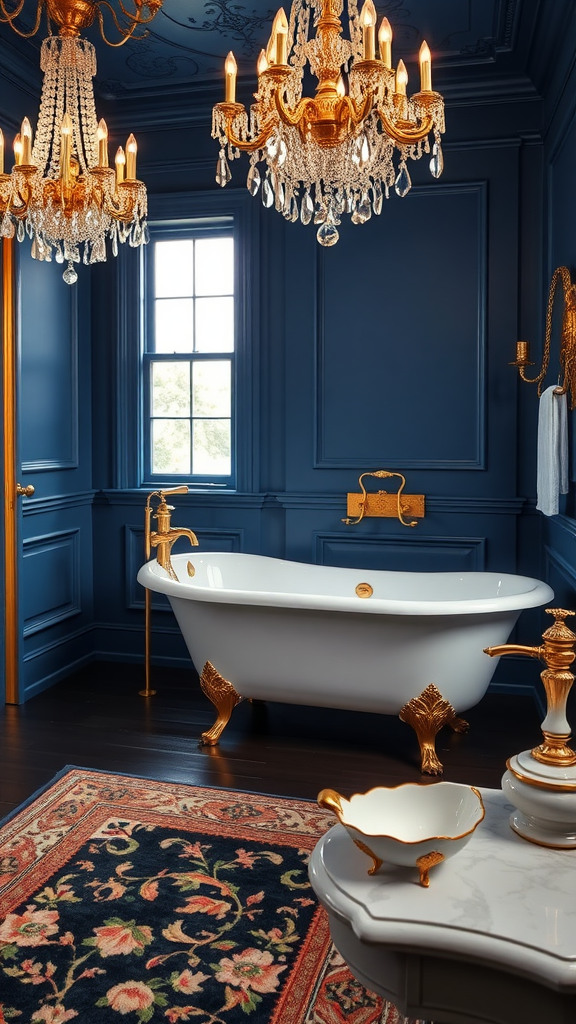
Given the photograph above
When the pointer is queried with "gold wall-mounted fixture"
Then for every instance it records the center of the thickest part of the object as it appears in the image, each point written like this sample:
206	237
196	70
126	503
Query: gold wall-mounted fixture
557	652
567	340
61	191
342	151
162	539
384	504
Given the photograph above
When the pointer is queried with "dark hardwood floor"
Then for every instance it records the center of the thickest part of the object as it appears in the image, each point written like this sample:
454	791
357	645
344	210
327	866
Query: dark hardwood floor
96	719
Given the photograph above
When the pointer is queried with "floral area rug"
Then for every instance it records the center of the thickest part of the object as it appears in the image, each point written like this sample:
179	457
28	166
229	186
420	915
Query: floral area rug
127	899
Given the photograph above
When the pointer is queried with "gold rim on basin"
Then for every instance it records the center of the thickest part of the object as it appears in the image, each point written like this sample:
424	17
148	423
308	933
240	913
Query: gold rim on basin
330	800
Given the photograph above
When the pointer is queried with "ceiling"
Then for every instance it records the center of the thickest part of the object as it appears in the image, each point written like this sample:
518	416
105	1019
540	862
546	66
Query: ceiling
188	40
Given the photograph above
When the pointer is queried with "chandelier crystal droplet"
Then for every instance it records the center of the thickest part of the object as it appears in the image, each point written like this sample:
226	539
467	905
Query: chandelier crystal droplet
345	149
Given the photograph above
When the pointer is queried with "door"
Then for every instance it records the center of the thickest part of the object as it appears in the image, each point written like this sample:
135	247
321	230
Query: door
13	490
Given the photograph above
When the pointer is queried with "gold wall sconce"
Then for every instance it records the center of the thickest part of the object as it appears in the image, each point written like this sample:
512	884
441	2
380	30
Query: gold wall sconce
384	503
567	340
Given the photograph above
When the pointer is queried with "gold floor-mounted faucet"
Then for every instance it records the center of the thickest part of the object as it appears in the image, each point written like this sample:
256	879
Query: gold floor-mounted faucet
163	538
166	535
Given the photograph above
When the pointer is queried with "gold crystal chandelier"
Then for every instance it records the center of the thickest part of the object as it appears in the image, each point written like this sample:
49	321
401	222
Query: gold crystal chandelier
346	148
61	191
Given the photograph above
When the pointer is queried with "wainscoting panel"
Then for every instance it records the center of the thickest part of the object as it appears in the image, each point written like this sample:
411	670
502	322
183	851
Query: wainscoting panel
412	554
50	585
49	373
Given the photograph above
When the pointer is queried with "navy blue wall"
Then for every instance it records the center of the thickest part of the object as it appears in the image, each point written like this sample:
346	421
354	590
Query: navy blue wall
390	350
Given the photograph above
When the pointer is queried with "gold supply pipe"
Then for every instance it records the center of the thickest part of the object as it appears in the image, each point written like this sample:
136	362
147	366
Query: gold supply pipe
10	492
148	691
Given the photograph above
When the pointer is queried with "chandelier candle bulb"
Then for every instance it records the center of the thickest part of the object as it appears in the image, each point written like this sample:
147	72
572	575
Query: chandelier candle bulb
18	149
120	165
262	64
401	78
131	151
102	136
425	68
26	133
280	34
230	68
341	86
65	147
385	43
368	25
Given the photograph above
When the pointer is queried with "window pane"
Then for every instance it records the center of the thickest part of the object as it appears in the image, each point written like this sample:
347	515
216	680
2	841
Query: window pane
212	449
173	268
215	325
214	266
171	446
174	325
170	389
211	388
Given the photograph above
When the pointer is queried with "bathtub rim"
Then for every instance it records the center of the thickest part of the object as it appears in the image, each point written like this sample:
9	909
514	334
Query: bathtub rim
153	577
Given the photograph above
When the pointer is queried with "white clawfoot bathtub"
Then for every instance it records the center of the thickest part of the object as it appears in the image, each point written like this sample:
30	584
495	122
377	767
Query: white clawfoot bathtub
264	628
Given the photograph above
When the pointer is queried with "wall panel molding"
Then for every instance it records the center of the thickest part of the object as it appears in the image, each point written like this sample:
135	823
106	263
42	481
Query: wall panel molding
462	554
57	502
60	377
457	505
58	596
359	406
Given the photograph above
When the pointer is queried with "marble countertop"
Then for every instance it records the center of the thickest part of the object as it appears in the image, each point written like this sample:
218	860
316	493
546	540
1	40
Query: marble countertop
501	901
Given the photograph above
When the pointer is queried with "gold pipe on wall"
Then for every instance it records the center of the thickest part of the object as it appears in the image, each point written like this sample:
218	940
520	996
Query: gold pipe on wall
9	458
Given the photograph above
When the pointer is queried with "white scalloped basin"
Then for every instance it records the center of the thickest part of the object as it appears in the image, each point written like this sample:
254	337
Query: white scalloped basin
402	823
415	812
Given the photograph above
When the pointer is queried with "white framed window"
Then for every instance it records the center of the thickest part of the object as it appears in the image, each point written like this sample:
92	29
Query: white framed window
189	371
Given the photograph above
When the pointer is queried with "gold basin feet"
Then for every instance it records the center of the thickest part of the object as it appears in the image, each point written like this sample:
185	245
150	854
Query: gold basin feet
223	696
427	714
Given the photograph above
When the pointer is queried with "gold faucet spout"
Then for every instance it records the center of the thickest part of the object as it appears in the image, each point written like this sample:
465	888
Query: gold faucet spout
176	532
531	652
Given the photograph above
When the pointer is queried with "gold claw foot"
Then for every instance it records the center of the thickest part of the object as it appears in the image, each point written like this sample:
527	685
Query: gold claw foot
458	724
425	862
427	714
223	696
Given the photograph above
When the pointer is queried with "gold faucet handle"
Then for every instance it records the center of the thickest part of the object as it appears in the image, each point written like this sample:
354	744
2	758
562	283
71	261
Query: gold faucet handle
182	489
559	630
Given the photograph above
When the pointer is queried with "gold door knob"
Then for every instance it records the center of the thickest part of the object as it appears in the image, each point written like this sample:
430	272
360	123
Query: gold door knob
27	492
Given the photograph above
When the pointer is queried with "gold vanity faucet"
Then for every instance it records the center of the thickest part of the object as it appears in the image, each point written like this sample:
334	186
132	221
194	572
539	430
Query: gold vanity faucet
557	652
165	536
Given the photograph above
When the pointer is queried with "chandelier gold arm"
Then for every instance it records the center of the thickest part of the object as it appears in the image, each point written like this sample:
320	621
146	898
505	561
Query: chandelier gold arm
407	133
17	203
292	118
125	33
10	16
230	111
359	115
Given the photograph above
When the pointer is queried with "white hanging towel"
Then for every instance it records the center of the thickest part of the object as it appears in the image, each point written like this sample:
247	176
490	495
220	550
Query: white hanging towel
552	467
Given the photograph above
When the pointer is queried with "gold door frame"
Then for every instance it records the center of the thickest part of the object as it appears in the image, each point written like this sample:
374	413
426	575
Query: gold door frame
9	444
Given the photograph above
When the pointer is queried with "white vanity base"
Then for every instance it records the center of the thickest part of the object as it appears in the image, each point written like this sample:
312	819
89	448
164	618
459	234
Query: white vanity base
492	941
